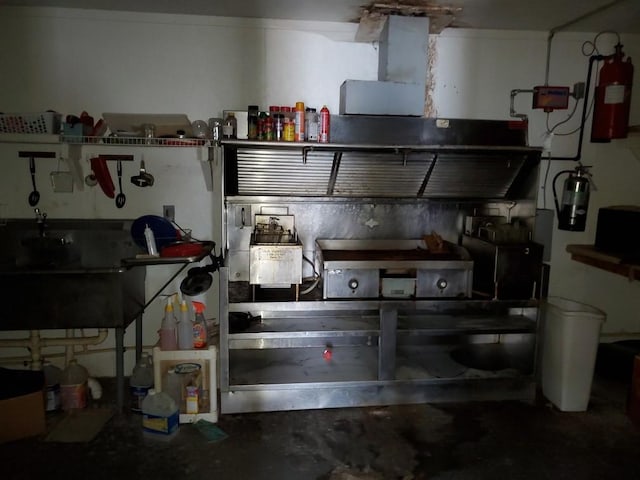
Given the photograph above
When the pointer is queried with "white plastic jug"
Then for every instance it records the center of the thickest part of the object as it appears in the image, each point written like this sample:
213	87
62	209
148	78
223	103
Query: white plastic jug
141	381
160	416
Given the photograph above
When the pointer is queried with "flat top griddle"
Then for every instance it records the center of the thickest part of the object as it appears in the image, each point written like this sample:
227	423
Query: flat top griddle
386	255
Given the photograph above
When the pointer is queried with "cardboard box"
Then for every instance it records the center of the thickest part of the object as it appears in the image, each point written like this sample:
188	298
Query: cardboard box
22	412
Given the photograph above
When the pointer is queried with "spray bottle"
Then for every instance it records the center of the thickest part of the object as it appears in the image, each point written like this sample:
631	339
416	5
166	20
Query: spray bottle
168	338
185	328
199	326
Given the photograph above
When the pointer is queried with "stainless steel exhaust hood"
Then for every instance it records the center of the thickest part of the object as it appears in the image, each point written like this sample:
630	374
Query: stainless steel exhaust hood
390	157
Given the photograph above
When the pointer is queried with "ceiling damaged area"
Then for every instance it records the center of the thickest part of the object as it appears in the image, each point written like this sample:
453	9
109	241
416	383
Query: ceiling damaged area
373	17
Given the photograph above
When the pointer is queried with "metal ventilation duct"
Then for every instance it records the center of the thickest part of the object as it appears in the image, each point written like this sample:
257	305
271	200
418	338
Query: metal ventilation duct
402	71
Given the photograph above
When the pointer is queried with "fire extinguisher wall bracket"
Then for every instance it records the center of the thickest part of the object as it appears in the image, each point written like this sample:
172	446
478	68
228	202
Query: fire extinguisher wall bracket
572	211
612	98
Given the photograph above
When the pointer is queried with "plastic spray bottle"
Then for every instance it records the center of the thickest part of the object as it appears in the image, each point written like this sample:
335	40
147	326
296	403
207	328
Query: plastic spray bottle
168	337
199	326
185	328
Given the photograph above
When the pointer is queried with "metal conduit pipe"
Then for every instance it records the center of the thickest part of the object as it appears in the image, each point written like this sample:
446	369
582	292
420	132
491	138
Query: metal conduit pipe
93	351
35	343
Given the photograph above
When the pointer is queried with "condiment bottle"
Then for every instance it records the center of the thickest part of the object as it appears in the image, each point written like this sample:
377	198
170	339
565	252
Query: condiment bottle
230	126
311	125
278	127
168	334
288	131
299	125
150	240
262	118
185	328
252	122
324	125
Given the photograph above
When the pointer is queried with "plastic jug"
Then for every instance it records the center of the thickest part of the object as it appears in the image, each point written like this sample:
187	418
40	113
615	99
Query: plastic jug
185	328
141	381
73	386
160	416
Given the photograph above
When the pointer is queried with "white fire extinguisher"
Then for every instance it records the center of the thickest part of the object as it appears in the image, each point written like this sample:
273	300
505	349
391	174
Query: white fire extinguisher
612	98
572	211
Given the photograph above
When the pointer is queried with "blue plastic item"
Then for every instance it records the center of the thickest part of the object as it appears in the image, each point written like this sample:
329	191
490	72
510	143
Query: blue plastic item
163	230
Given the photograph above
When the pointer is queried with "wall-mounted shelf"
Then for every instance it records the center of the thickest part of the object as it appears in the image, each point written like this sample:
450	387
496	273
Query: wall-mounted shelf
103	141
588	255
71	148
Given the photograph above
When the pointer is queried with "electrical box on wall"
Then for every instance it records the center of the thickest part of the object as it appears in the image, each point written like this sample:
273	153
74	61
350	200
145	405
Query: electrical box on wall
551	98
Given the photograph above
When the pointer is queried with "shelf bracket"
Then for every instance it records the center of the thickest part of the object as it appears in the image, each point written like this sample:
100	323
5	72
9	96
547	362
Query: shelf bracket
305	153
30	154
119	158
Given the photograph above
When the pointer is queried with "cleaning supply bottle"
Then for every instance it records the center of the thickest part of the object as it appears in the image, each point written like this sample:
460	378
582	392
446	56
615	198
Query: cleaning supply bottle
73	386
199	326
141	381
160	416
168	337
185	328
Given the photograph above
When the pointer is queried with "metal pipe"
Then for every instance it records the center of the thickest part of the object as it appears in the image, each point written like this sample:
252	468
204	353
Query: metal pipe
27	358
35	343
559	28
578	155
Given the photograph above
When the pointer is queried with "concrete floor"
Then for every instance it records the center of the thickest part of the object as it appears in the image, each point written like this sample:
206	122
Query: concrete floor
505	440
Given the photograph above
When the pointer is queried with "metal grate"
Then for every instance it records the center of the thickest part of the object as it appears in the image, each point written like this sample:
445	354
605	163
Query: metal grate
377	174
381	175
269	172
458	176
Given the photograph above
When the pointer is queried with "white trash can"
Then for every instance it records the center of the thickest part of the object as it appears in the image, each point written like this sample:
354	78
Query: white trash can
571	337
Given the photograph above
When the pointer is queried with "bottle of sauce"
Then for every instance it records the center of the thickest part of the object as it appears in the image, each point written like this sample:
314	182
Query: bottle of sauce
252	122
230	126
289	127
324	127
299	122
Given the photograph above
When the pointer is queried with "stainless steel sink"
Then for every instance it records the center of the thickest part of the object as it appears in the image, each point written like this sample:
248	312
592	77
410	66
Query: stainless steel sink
69	275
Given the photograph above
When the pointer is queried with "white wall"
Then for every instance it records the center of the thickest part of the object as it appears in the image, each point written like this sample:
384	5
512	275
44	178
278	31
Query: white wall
74	60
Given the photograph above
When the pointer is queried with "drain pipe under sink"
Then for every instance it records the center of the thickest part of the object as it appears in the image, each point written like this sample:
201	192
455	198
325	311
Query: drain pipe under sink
35	343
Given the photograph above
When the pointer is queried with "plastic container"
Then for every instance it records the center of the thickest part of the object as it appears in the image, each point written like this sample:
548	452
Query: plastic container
185	328
311	125
160	416
571	337
73	386
141	381
52	376
230	126
168	331
172	386
150	240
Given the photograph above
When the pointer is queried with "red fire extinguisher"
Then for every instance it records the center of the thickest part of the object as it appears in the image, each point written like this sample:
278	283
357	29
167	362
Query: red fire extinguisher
612	98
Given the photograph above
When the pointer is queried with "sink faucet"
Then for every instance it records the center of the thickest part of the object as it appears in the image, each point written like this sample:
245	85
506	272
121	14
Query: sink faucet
41	219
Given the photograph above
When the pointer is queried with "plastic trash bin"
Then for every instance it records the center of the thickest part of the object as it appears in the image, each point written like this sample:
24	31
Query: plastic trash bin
571	337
